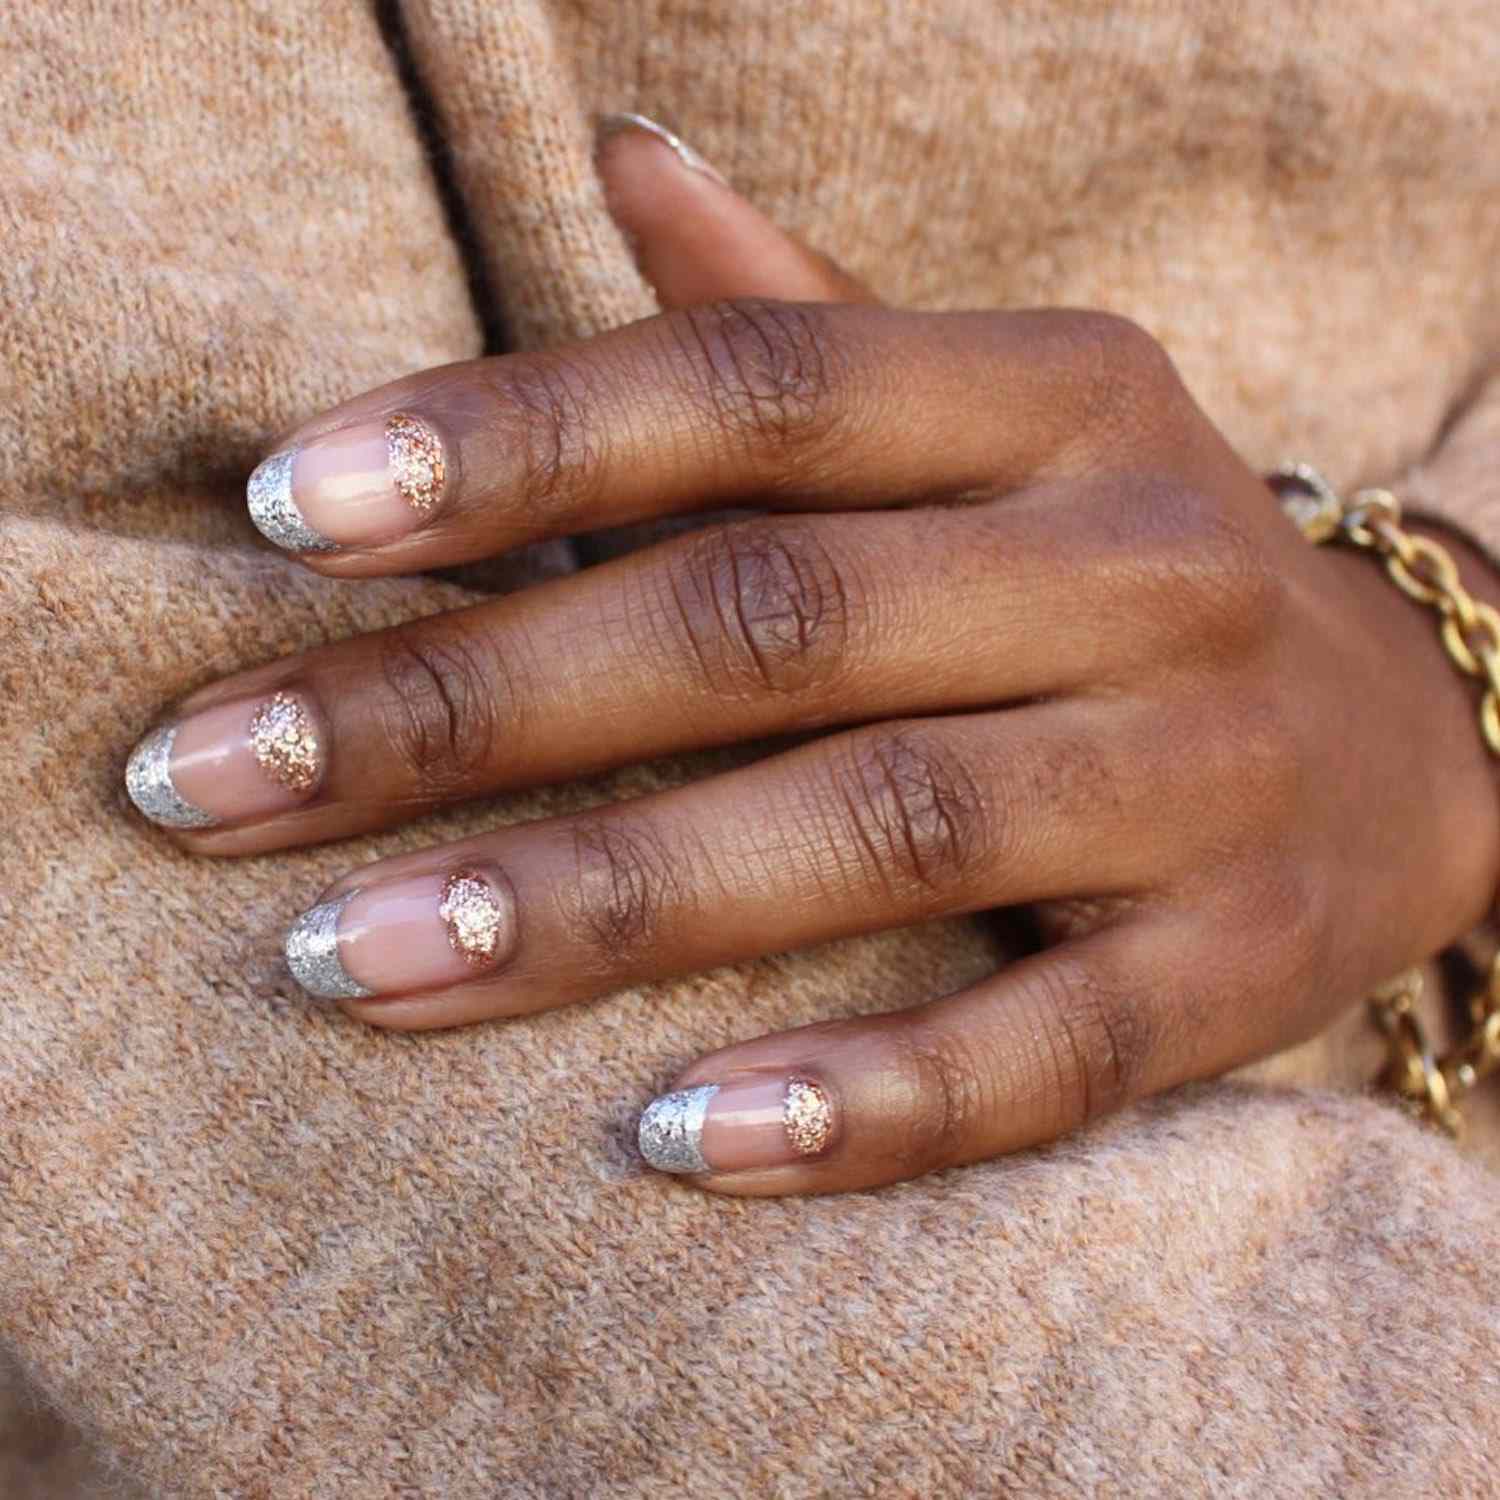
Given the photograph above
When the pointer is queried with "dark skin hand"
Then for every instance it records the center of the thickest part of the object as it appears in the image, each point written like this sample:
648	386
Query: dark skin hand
1042	638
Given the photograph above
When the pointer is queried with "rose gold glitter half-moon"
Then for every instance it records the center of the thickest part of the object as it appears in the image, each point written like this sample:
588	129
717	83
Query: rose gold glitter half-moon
808	1117
473	916
415	455
284	740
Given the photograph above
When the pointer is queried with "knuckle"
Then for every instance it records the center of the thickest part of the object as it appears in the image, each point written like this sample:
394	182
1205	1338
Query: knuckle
1131	385
949	1094
1252	996
1099	1038
915	809
1123	353
1241	795
628	883
445	696
1293	899
545	401
1209	585
771	369
1268	768
1266	879
765	609
1304	906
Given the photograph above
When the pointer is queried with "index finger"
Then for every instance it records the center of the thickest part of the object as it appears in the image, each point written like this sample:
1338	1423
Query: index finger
801	405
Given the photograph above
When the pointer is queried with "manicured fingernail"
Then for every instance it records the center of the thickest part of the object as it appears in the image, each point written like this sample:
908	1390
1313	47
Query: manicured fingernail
398	936
732	1127
228	764
610	125
356	487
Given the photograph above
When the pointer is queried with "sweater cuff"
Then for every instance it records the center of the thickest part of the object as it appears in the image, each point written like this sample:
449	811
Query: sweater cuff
1458	484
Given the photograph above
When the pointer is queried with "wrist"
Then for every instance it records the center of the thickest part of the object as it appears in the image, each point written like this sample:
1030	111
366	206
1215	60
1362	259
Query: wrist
1479	572
1433	794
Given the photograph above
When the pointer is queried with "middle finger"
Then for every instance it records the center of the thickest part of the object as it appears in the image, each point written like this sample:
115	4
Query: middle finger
764	627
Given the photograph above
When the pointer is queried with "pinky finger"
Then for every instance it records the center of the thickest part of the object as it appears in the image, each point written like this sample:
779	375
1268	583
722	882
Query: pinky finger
1037	1050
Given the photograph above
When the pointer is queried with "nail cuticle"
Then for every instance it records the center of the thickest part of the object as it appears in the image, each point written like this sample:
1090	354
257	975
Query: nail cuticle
807	1116
474	917
417	459
287	743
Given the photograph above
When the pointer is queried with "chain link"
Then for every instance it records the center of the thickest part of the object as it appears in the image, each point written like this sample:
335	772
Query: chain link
1428	1084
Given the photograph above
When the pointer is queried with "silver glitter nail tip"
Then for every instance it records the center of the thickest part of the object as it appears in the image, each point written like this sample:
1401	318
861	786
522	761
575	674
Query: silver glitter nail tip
148	779
312	953
274	511
671	1130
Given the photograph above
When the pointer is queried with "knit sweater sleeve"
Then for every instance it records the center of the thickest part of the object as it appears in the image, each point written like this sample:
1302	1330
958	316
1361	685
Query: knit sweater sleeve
1459	481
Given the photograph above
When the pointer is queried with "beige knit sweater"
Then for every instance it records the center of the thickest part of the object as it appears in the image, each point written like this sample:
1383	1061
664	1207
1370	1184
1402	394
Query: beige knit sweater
248	1248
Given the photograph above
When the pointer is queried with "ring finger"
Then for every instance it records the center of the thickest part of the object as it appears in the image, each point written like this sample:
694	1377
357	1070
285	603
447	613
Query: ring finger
870	829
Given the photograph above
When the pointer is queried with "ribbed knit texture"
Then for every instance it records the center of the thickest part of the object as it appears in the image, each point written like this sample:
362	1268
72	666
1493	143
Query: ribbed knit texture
250	1249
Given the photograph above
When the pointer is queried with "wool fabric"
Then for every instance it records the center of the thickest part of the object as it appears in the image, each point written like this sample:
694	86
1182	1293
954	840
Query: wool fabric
251	1249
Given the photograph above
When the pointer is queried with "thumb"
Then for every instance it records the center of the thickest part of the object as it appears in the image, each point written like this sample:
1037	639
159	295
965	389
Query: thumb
695	238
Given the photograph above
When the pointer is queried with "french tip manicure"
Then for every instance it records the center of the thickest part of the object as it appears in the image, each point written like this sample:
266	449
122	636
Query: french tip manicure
274	510
312	953
671	1129
230	763
613	124
148	781
750	1123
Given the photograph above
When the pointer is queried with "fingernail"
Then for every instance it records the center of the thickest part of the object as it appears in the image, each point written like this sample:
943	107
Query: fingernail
356	487
732	1127
398	936
228	764
611	125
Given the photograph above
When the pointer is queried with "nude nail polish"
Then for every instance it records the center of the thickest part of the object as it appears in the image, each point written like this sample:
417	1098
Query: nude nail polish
399	937
613	124
355	487
735	1127
229	764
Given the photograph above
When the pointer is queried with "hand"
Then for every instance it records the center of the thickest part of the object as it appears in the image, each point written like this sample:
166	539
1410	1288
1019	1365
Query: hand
1041	637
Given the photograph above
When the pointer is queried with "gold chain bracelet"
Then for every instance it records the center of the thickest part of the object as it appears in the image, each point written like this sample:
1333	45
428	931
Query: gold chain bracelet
1428	1084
